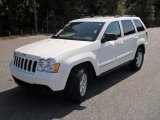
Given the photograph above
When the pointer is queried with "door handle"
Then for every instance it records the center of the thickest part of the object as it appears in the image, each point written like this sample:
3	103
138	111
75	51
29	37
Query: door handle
136	38
120	43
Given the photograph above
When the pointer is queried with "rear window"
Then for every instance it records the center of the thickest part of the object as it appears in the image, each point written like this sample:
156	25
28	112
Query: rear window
128	27
139	25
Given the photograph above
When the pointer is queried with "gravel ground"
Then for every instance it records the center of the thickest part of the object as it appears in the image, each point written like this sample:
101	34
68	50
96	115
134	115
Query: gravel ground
119	95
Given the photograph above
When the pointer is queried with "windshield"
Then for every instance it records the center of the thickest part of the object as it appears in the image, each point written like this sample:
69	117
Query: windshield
86	31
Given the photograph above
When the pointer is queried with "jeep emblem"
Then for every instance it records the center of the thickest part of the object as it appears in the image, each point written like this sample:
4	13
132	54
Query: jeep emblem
24	54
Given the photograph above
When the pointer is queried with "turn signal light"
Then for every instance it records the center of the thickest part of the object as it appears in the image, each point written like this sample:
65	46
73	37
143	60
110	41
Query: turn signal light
56	67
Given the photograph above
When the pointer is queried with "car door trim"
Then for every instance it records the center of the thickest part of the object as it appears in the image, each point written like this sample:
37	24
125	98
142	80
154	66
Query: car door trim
115	59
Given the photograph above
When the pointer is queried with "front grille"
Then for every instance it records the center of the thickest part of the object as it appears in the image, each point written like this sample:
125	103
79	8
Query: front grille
25	64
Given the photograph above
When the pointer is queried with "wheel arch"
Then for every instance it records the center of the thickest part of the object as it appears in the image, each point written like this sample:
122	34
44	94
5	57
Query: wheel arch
88	65
141	43
142	46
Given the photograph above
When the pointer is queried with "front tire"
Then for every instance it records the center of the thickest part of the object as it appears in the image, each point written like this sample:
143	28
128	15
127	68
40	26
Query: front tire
137	63
77	84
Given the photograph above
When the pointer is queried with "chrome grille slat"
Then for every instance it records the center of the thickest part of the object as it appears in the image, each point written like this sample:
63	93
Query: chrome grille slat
25	64
20	63
29	65
21	66
17	61
32	66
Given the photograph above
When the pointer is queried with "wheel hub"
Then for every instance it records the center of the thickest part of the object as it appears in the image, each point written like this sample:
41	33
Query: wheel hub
139	59
83	84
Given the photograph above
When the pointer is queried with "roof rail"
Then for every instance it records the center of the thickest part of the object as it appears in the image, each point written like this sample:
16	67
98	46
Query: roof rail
117	16
90	16
98	16
94	16
87	16
124	16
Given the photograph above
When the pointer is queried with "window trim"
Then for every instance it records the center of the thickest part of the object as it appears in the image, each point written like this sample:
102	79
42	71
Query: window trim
136	25
133	27
55	37
121	35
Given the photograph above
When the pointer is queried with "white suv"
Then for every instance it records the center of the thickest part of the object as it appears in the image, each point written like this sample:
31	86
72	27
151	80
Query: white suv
81	51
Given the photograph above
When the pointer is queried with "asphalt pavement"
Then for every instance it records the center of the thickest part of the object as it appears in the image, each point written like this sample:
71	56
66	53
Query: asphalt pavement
119	95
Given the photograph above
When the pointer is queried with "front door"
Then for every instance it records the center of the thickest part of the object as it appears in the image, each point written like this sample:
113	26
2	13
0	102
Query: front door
110	50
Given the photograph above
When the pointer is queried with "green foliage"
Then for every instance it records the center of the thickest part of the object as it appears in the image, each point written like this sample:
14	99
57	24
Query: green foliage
144	9
17	16
0	2
121	7
157	6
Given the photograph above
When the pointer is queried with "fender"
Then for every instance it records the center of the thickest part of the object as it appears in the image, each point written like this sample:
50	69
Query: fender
141	41
69	63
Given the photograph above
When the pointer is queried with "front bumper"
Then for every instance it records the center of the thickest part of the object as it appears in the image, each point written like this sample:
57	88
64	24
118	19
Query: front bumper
55	81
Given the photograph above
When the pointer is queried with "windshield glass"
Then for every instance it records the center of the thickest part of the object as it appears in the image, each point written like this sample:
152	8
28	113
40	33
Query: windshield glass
86	31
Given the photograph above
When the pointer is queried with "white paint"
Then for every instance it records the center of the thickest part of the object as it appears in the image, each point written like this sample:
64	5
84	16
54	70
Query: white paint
70	53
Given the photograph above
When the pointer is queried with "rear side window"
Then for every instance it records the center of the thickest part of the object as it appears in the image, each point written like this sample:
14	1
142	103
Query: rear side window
139	25
128	27
114	28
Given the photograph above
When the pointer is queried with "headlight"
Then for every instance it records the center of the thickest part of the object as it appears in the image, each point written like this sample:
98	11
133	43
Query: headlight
42	65
51	63
48	65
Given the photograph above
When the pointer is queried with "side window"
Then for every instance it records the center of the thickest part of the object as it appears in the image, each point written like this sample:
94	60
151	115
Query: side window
113	28
128	27
139	25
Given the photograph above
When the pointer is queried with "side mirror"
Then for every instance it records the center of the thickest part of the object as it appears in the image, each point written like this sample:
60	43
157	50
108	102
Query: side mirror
109	37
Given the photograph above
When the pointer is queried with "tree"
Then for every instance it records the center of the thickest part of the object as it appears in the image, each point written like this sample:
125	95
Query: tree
144	9
157	6
17	16
101	7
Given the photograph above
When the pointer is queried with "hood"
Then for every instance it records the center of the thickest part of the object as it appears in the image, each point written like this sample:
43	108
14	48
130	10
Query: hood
50	47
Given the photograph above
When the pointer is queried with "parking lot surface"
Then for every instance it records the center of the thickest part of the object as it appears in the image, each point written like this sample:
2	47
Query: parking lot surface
119	95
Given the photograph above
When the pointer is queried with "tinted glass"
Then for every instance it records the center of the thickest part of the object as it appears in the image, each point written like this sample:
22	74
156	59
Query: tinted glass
114	28
86	31
128	27
139	25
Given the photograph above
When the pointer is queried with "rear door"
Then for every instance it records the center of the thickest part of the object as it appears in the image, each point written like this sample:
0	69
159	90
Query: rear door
142	33
129	42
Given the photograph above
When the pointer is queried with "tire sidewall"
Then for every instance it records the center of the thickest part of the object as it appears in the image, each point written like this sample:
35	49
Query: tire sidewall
82	70
73	84
135	59
78	76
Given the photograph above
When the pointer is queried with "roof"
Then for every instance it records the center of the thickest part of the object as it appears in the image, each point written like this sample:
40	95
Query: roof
103	19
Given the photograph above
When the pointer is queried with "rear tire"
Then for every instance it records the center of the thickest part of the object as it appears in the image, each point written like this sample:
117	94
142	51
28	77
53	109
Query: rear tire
77	84
137	63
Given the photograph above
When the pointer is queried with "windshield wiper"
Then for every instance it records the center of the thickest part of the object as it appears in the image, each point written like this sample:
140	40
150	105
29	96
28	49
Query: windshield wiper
56	37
